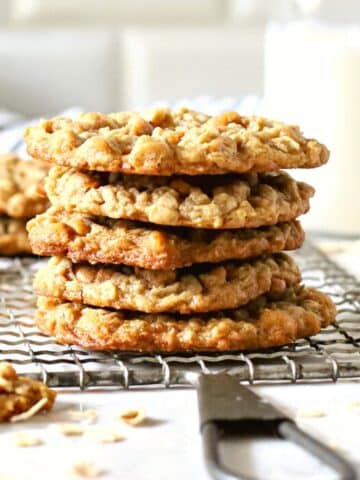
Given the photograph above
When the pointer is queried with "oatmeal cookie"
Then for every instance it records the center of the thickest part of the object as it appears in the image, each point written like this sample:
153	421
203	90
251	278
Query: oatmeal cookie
19	394
165	142
101	240
265	322
13	237
201	288
221	201
22	193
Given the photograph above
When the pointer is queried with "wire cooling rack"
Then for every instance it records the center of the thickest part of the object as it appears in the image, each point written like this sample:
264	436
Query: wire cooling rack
331	355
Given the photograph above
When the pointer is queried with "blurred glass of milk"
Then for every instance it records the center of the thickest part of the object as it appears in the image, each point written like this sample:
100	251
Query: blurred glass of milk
312	79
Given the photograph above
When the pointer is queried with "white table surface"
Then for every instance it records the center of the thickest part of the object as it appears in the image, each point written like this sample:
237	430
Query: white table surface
171	447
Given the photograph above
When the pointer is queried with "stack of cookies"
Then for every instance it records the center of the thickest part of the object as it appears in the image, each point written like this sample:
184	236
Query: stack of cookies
21	197
168	230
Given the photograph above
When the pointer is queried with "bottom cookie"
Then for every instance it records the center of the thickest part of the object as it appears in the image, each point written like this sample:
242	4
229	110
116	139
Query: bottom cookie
268	321
13	237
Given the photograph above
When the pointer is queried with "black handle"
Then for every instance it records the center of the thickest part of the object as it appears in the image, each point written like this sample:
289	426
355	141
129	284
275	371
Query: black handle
211	433
226	406
211	437
292	432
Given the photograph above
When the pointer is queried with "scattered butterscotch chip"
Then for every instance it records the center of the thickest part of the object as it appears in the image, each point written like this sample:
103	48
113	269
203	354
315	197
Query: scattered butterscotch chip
87	470
25	439
22	397
133	417
310	413
71	429
88	416
104	435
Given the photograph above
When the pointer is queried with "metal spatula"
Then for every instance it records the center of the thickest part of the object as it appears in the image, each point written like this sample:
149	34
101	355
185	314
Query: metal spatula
226	406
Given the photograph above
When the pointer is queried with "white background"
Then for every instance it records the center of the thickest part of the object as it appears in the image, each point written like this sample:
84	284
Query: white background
107	55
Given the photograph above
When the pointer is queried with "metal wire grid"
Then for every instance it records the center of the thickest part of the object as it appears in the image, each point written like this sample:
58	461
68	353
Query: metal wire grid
331	355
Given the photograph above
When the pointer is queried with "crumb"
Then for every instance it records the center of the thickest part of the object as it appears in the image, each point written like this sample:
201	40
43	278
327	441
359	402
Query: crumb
104	435
89	416
70	429
24	439
87	470
22	397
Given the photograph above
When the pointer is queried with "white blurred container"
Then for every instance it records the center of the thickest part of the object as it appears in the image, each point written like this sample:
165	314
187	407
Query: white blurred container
4	12
312	78
115	12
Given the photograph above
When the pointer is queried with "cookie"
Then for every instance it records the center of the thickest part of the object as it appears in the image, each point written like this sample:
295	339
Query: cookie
13	237
221	201
265	322
201	288
22	193
101	240
165	142
19	394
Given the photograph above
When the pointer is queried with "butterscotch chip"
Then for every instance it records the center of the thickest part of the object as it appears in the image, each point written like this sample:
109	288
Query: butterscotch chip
124	242
268	321
222	201
165	142
22	192
21	397
13	237
200	288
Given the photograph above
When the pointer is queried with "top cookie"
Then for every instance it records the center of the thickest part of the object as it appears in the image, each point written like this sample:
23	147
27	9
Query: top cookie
22	193
166	142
